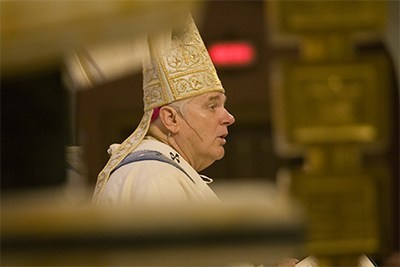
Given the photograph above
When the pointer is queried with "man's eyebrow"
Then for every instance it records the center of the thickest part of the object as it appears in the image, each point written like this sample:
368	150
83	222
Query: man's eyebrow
216	98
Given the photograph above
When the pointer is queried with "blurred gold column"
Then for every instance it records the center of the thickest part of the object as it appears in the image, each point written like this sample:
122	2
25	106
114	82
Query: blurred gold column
331	104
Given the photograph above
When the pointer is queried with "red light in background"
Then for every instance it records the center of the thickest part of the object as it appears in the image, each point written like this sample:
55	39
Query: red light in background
232	53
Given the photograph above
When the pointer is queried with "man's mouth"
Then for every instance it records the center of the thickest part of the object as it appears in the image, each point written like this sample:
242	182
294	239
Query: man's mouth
222	138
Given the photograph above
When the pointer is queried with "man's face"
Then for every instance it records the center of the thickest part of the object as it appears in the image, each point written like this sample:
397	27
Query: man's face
203	129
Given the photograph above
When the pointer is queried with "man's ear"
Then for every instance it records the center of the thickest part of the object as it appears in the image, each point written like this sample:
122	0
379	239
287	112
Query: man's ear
168	116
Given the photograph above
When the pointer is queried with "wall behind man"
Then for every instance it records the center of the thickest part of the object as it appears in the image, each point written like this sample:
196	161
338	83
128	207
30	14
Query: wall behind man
33	130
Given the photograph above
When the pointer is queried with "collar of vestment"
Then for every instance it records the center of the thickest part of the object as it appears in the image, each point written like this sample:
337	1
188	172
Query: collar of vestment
150	143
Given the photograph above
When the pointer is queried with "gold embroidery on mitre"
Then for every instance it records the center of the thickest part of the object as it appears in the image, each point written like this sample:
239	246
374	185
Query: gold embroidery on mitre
153	93
180	69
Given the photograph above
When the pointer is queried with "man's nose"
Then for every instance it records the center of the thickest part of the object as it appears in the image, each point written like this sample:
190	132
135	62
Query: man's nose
228	118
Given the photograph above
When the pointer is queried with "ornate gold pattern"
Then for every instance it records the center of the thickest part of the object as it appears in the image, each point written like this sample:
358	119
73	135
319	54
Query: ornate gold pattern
182	70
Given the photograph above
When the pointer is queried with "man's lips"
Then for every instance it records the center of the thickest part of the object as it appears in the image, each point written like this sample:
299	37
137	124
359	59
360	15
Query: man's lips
222	138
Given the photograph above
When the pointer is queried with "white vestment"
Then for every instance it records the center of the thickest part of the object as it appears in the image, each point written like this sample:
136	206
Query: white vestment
157	182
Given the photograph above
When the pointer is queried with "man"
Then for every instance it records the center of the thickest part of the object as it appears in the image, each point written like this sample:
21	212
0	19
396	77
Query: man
181	133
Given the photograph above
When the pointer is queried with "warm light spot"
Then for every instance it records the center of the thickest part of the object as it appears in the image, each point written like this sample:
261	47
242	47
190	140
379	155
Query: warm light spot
232	53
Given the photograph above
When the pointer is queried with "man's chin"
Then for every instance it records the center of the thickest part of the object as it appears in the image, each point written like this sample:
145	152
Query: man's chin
220	154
